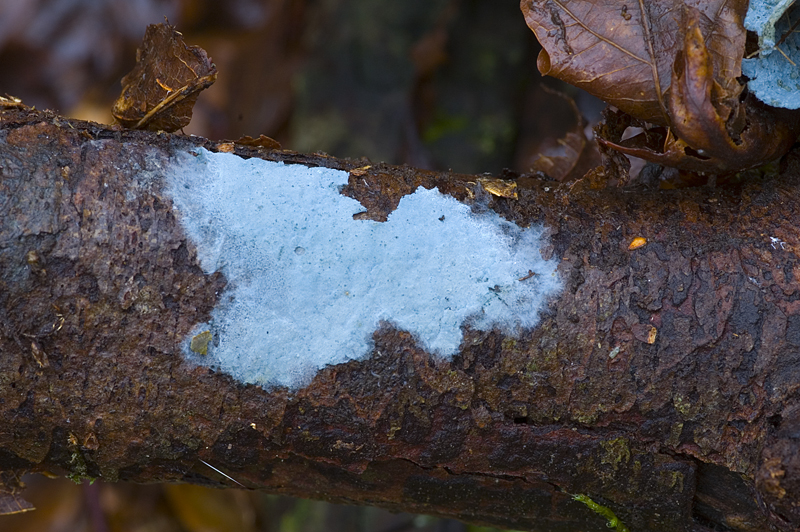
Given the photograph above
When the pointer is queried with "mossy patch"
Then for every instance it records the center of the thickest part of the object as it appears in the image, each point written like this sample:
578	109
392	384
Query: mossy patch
616	451
613	520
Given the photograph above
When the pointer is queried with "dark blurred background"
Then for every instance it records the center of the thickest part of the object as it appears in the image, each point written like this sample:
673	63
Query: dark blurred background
437	84
64	506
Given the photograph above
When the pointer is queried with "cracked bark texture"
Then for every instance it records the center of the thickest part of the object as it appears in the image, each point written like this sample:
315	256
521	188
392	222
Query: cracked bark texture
662	383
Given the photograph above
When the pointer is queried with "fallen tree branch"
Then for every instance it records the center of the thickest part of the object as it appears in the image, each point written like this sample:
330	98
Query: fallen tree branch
659	387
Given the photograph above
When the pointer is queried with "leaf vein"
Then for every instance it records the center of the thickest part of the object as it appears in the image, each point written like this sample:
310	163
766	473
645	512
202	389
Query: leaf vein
597	35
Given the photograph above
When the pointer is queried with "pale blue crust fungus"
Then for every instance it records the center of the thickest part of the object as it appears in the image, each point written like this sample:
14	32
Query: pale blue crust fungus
308	285
775	73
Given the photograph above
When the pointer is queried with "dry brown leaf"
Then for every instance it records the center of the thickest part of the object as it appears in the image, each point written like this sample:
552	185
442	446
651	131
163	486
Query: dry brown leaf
622	52
13	504
262	141
675	66
160	91
558	157
10	500
569	156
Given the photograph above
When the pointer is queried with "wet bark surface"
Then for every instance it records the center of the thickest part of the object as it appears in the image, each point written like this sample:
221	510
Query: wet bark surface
662	383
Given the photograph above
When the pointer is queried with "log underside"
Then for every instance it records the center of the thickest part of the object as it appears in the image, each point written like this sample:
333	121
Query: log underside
662	383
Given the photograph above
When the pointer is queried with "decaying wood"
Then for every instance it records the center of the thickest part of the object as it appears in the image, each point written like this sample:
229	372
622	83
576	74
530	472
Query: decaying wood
661	384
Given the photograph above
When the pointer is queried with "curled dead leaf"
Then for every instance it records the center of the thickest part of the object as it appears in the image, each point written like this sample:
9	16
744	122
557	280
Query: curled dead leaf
675	67
161	90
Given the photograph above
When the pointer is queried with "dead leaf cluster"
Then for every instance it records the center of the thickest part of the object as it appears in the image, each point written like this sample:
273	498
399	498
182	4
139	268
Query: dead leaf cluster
673	66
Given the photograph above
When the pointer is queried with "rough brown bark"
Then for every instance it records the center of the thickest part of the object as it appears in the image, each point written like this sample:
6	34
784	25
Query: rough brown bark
695	429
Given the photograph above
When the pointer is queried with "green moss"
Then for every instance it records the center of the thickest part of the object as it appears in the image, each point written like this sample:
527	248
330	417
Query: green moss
533	367
509	343
394	426
585	418
613	520
682	405
675	432
616	451
607	305
308	436
78	472
672	479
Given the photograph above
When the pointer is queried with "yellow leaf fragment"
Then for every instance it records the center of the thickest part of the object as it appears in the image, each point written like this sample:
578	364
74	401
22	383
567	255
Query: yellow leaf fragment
499	187
360	171
637	242
10	101
39	355
199	343
651	336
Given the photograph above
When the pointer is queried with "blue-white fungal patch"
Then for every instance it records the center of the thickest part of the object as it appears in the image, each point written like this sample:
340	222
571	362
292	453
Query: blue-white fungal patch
762	17
308	285
774	74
